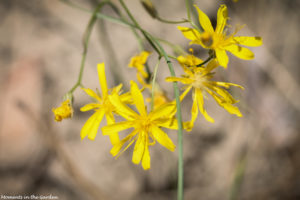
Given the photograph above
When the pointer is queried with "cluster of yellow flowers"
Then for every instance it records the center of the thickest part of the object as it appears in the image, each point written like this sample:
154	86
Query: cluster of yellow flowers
198	75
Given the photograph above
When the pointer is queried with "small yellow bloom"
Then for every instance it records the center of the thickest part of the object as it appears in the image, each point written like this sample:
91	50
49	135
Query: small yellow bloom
217	40
139	62
199	79
102	106
189	60
146	126
64	111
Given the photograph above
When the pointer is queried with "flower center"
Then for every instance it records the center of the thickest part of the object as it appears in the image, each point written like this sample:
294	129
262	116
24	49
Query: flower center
199	79
206	39
144	123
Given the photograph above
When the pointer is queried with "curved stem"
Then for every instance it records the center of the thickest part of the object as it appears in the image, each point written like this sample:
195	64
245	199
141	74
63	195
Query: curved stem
205	61
136	24
188	9
85	41
171	22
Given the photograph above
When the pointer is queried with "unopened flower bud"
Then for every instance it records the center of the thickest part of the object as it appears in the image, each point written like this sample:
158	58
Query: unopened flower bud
148	5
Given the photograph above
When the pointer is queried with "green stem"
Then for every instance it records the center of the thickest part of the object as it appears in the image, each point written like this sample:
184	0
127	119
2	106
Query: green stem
137	25
188	9
160	50
171	22
153	83
85	41
179	119
205	61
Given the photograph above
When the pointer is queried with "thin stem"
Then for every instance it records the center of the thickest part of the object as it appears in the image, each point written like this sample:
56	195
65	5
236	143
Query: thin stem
160	50
85	41
171	22
188	9
153	83
100	15
179	119
176	48
205	61
136	24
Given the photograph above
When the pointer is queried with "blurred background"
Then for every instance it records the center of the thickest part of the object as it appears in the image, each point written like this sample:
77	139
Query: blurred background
253	157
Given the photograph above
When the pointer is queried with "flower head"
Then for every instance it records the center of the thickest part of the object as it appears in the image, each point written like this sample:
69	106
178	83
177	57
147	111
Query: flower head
199	79
139	62
217	40
146	127
64	111
189	60
102	106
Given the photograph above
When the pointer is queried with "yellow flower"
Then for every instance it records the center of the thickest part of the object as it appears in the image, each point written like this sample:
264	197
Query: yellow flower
217	40
199	79
189	60
139	62
64	111
146	127
102	107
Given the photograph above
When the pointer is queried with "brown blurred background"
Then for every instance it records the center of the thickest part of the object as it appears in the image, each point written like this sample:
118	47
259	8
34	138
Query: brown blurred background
254	157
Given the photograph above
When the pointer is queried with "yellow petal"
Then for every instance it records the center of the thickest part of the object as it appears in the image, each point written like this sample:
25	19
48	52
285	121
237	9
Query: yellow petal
117	89
139	148
126	98
240	52
186	91
221	18
162	138
226	85
194	111
117	147
146	156
144	56
165	110
204	21
189	33
121	108
137	98
116	127
92	94
248	41
170	123
222	57
102	79
90	128
227	106
89	106
182	80
224	94
114	137
210	66
199	98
